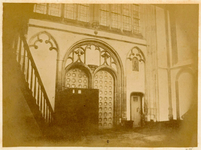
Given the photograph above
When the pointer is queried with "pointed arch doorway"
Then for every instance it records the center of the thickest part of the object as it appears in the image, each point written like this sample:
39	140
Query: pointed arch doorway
102	71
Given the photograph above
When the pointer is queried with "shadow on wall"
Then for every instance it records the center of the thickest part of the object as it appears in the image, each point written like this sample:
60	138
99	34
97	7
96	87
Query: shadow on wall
188	128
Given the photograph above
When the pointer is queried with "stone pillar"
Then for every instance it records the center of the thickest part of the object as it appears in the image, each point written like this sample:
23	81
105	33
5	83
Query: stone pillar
58	79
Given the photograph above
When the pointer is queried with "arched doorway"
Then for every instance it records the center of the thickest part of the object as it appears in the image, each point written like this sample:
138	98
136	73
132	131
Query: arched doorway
96	63
186	89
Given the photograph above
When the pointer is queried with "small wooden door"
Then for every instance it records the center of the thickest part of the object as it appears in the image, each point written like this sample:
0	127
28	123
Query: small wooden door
136	110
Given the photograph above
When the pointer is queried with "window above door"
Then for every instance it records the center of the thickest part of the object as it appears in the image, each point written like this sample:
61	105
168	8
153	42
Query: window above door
118	18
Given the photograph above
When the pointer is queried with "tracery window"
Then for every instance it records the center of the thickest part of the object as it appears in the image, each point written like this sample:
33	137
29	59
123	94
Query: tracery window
40	8
50	9
124	17
135	17
116	16
83	12
104	14
54	10
71	11
82	53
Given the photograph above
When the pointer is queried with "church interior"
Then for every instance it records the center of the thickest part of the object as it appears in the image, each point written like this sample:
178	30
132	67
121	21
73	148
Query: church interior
98	66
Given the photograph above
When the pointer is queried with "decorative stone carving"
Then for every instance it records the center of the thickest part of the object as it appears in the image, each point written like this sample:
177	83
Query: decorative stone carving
79	55
105	56
43	37
135	52
136	56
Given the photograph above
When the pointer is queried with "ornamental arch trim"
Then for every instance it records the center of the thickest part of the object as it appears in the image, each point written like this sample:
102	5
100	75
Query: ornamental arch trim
106	74
106	50
36	38
140	55
97	42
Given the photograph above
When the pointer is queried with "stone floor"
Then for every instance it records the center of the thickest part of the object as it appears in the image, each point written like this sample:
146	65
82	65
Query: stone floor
165	135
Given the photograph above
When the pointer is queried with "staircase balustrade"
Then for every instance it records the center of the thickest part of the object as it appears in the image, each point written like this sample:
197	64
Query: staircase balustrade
32	77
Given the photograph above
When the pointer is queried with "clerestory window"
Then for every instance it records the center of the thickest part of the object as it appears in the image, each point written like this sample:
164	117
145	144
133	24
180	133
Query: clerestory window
120	17
78	12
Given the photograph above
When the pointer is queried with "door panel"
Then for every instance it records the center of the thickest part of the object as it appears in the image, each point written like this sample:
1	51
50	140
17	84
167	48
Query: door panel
76	78
105	83
136	110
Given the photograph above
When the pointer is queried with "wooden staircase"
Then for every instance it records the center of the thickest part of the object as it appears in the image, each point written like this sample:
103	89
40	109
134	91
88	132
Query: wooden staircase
34	93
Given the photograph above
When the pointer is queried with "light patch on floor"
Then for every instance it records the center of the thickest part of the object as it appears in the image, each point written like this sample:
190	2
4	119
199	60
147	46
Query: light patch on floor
155	138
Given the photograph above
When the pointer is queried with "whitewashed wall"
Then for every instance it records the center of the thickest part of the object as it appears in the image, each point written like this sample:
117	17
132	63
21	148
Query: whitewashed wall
152	78
66	36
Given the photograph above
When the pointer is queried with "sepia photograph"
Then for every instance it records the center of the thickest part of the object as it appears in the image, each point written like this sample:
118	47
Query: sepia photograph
100	74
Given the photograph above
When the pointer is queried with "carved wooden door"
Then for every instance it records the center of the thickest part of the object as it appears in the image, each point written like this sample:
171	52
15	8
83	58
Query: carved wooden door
76	78
105	83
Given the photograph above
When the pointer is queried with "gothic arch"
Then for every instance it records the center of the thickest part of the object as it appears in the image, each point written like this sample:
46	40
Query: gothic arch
140	55
50	40
183	70
106	75
98	42
191	100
